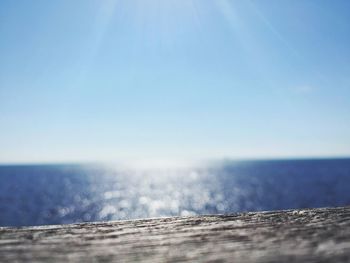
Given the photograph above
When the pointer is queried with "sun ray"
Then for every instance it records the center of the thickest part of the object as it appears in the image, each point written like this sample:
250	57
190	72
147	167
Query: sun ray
273	29
102	20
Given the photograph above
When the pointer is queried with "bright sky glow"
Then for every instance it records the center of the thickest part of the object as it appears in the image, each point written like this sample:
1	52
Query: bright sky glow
173	79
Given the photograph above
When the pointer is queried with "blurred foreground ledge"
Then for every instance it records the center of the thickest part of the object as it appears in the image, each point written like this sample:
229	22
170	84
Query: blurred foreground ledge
312	235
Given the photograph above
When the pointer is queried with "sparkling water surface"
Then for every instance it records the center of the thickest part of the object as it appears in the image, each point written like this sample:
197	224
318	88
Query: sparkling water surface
58	194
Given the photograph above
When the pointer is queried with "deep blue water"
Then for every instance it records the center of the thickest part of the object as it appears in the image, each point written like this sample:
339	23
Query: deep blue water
56	194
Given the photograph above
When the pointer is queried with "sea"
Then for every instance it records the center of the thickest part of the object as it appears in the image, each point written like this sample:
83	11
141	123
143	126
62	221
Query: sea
60	194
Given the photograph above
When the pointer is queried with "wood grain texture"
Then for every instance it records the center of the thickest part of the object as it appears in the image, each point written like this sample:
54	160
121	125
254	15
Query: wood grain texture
315	235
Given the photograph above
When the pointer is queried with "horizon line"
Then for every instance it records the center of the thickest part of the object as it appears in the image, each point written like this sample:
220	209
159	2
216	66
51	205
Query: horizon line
171	162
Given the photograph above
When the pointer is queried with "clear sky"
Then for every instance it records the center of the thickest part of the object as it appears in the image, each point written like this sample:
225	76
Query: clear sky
173	79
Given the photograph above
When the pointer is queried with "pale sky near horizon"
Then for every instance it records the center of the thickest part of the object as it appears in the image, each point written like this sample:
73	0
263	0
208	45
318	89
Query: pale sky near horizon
173	79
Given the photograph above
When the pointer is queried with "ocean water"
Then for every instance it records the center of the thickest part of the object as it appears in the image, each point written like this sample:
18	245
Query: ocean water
59	194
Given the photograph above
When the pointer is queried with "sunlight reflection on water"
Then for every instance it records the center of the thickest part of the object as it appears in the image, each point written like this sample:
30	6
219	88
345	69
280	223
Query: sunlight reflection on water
36	195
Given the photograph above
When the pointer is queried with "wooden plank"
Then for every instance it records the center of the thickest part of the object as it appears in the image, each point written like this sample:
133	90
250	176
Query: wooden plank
315	235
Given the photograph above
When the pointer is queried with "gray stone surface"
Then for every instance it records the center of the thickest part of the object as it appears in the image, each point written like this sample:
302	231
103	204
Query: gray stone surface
316	235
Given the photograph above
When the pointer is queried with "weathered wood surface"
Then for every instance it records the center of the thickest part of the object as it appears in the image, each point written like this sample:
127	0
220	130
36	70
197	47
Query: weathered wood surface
317	235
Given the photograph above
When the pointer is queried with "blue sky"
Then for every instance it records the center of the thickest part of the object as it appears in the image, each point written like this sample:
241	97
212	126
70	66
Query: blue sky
191	79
